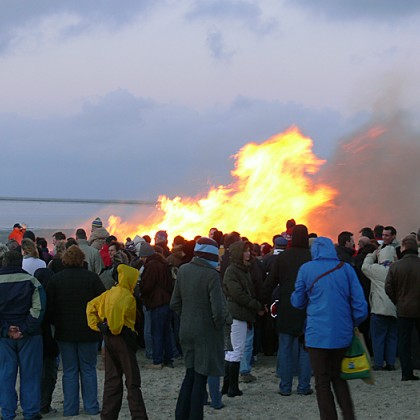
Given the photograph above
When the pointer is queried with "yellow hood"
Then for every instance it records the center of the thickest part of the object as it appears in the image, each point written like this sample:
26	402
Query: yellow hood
127	277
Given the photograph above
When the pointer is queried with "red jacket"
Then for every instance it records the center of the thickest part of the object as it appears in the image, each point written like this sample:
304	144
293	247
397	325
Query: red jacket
17	235
105	255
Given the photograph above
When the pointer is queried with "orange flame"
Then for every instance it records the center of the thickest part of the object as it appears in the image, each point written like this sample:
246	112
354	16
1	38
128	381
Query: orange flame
272	184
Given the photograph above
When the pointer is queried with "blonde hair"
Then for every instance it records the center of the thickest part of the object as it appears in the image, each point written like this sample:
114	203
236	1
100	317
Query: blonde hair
29	248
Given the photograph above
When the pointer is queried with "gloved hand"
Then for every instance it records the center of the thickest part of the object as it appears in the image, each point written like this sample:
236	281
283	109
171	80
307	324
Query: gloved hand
103	327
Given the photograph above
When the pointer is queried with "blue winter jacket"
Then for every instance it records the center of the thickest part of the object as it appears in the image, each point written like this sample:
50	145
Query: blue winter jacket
336	303
22	302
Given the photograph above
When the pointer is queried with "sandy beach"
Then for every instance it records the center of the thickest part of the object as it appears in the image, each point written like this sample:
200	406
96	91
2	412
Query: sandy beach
388	399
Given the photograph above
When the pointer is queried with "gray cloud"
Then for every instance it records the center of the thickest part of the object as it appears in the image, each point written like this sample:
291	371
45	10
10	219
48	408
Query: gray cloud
123	146
233	10
217	47
19	13
387	10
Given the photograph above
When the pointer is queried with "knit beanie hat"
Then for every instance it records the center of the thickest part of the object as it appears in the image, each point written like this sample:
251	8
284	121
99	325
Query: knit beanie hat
97	223
146	250
207	249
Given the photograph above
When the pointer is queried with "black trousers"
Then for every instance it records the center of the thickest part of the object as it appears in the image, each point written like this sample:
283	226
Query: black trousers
120	359
191	396
326	365
405	329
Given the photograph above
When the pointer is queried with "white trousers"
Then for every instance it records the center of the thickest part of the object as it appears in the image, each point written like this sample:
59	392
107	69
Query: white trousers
238	339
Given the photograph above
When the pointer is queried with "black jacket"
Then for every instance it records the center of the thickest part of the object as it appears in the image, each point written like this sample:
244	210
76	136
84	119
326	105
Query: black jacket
284	272
68	293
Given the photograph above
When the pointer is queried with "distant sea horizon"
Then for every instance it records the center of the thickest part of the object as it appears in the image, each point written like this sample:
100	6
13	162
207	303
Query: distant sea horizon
39	233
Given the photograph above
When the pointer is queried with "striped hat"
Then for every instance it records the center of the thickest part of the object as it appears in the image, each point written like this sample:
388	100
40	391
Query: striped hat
97	223
207	249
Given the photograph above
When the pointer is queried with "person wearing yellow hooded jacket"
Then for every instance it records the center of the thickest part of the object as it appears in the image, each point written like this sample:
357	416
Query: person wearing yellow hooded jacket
114	313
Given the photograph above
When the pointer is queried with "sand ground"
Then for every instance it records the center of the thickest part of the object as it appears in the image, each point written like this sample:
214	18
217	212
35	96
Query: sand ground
388	399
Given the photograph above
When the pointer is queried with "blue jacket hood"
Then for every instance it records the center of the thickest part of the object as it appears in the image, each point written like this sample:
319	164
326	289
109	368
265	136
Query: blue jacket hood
323	249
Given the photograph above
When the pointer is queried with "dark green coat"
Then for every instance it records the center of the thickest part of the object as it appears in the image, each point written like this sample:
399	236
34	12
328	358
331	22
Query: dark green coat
239	288
199	300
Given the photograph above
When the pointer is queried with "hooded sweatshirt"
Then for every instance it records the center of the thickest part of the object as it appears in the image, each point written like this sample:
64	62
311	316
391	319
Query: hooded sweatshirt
336	303
117	305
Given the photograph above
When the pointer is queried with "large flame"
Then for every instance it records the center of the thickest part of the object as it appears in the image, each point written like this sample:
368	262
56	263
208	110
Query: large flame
272	184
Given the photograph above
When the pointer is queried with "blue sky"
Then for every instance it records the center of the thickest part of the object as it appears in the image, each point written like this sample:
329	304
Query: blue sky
140	98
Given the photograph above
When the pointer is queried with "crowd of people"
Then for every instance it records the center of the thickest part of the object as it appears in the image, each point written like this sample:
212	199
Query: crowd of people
216	301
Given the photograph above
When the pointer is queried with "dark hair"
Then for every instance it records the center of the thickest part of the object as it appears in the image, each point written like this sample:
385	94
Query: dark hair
218	237
59	236
147	238
391	229
30	235
344	237
12	259
73	257
231	238
313	235
178	240
377	231
367	231
81	234
41	242
70	242
110	239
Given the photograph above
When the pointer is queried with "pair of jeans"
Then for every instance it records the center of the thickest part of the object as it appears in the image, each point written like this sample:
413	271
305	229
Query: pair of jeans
214	391
383	331
191	396
148	341
326	364
405	329
24	354
79	359
161	334
245	366
290	350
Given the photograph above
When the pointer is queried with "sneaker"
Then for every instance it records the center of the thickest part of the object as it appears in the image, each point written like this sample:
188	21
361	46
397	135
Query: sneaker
169	365
376	368
153	366
389	367
247	378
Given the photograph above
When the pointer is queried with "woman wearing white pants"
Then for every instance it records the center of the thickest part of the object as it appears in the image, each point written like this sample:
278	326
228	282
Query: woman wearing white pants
243	306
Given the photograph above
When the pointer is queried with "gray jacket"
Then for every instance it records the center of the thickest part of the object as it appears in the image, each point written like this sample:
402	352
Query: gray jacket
199	300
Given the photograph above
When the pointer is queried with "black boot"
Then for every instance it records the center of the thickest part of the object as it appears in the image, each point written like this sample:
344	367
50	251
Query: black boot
225	386
234	390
